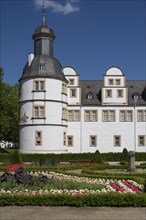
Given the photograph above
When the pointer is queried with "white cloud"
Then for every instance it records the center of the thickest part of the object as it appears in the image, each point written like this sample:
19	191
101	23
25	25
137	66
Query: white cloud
68	7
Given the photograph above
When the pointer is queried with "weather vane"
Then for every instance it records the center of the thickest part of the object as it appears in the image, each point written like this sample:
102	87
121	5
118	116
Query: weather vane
43	12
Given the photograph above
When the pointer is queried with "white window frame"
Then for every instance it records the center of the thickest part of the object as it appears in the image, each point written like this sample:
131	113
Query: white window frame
93	140
115	141
38	138
40	110
70	140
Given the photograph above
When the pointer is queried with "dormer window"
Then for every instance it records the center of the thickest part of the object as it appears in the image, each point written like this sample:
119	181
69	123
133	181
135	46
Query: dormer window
108	93
71	81
111	82
117	82
89	95
120	93
42	66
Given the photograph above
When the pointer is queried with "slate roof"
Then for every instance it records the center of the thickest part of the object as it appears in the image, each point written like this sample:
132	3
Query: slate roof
95	86
53	68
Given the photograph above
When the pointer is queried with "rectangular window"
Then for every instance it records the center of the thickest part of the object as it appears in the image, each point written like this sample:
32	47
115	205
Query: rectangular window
39	85
38	138
108	93
64	138
64	114
122	115
64	88
42	85
36	85
141	115
93	141
117	141
73	115
111	82
126	116
76	116
120	93
117	82
73	93
93	115
87	115
42	67
108	115
69	141
71	81
141	140
129	115
111	115
105	115
39	112
70	115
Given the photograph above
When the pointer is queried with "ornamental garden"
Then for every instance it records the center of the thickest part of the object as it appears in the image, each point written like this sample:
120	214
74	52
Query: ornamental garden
77	180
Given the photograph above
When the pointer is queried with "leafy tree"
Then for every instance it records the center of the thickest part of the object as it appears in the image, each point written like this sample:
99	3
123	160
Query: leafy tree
9	114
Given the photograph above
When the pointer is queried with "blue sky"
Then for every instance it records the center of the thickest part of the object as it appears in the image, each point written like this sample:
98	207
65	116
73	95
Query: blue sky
91	35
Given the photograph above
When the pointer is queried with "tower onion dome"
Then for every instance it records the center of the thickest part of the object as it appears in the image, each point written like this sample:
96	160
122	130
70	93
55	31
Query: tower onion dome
43	65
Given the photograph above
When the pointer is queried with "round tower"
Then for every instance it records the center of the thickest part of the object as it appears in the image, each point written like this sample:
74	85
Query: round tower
43	98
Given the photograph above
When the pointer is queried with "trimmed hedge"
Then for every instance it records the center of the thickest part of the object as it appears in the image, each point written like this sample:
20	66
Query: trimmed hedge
102	199
69	157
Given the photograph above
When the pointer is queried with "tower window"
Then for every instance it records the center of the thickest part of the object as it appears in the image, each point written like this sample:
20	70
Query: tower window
38	138
64	138
39	112
39	85
42	66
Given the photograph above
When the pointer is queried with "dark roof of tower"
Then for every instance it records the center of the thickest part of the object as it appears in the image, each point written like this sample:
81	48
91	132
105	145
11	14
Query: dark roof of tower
94	87
43	31
52	68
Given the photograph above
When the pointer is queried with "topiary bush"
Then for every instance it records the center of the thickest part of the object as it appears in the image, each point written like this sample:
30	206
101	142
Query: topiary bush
96	157
124	155
16	157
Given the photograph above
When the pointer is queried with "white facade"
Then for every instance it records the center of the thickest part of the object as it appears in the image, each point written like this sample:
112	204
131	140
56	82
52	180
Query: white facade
59	113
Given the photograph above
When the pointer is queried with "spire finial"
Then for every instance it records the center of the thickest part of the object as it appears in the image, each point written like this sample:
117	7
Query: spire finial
43	12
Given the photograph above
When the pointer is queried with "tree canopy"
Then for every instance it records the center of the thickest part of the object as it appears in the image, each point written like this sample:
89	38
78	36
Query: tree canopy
9	110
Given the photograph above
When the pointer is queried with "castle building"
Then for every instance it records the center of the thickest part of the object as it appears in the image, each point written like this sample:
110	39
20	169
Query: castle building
59	113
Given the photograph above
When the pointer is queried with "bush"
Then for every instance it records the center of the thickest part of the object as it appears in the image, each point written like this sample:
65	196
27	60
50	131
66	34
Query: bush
102	199
16	157
124	155
96	157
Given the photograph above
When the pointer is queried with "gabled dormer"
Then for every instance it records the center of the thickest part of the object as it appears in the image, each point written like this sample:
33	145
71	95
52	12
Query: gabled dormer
114	91
73	90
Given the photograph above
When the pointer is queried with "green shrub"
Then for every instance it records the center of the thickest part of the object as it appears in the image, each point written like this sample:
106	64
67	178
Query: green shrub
102	199
16	157
96	157
124	155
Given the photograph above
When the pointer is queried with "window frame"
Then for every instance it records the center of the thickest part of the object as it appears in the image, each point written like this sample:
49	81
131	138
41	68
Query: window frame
91	141
117	136
144	142
119	90
39	111
71	93
72	141
38	138
108	95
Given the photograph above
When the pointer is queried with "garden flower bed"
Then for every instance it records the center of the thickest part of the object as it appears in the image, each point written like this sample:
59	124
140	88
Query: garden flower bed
52	189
